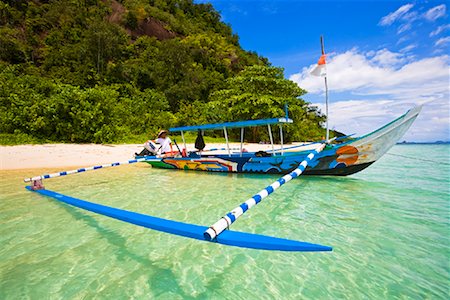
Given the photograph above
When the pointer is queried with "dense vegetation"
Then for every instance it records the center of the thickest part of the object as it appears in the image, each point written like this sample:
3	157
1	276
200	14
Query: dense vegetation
108	71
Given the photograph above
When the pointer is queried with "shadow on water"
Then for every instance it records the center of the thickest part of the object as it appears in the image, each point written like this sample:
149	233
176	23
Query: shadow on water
257	176
214	283
163	277
218	281
164	280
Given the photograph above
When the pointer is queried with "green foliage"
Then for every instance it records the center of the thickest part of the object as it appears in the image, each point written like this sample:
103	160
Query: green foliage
18	139
60	112
108	71
12	49
104	42
131	20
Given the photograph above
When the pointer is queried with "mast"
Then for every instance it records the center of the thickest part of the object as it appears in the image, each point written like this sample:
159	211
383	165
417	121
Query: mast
326	92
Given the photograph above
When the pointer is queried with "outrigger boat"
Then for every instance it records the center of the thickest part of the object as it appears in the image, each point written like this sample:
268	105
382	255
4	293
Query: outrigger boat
338	159
319	158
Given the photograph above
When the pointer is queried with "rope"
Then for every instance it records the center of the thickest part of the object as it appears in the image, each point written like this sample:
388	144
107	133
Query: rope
421	159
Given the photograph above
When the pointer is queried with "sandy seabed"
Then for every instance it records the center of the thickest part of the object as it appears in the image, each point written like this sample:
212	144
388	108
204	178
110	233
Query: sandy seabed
82	155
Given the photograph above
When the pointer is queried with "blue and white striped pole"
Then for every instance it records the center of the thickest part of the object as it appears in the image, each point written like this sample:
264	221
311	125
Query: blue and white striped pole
58	174
218	227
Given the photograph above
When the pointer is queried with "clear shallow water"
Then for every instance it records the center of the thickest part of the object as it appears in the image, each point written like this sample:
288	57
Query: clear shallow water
389	226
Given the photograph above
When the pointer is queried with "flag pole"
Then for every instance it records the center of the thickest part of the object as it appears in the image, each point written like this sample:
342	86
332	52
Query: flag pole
326	93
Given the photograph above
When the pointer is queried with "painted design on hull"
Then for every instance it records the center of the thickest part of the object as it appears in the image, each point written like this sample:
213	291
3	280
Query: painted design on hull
345	156
160	164
210	164
272	164
333	158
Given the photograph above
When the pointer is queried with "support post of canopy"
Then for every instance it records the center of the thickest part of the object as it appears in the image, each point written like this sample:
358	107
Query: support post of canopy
218	227
226	139
326	105
281	139
271	137
242	138
184	141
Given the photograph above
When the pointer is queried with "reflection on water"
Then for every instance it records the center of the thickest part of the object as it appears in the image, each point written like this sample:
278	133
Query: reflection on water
388	226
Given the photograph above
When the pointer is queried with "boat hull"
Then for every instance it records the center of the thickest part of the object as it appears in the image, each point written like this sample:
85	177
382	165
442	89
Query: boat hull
267	167
344	171
335	160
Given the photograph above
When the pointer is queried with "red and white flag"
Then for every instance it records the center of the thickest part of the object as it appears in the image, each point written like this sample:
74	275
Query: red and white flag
321	68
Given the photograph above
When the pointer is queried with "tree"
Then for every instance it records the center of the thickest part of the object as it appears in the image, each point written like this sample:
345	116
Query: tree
105	42
260	92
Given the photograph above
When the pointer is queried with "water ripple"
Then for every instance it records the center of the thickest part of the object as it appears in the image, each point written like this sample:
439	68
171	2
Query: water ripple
388	225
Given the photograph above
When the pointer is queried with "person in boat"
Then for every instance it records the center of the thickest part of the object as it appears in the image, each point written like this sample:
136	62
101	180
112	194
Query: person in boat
199	141
164	141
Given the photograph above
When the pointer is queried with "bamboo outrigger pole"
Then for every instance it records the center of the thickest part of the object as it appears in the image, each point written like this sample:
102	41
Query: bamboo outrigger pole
217	228
64	173
326	91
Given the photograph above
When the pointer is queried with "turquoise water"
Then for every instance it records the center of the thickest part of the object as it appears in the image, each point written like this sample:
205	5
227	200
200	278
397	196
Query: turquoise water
389	226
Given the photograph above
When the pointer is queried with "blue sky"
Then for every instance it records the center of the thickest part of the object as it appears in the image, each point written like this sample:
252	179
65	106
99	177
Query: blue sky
384	56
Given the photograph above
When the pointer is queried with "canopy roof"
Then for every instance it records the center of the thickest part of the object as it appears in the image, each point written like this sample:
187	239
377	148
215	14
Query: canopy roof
239	124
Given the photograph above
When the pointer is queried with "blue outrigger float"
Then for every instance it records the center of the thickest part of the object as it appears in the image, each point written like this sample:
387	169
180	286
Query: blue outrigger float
320	158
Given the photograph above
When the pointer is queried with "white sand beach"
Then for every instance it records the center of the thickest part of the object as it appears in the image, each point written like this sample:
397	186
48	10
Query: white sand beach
78	155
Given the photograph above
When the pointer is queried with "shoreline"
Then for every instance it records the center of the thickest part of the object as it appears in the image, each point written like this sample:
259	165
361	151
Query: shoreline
19	157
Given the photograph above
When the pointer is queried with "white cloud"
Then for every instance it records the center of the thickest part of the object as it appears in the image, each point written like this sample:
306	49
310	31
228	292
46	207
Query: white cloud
386	58
269	8
406	17
236	9
408	48
410	16
404	27
393	16
442	41
402	40
378	74
435	13
382	86
439	30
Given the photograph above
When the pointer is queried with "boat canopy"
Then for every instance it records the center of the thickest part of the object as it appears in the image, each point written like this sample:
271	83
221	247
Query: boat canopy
239	124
